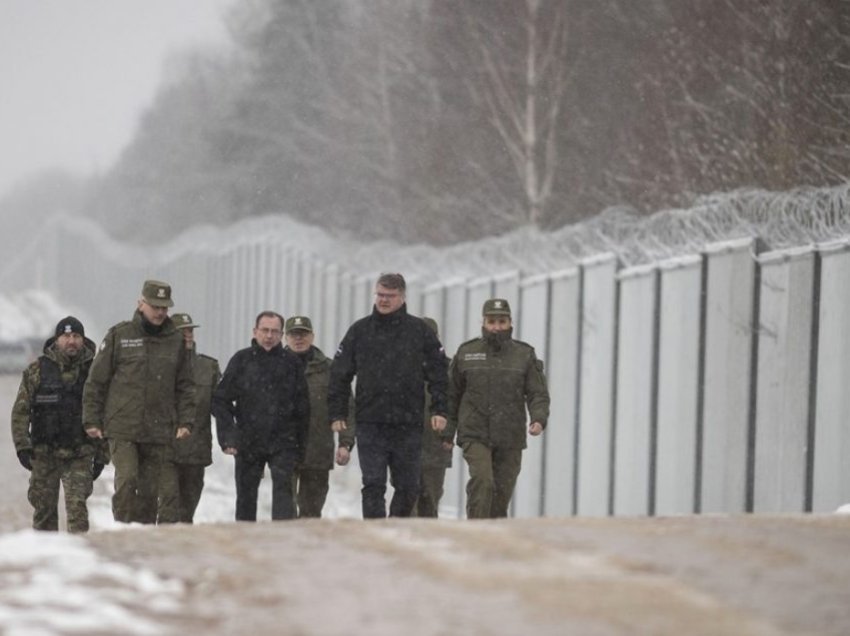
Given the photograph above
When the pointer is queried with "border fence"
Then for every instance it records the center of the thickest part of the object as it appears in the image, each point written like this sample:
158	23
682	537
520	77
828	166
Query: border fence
711	382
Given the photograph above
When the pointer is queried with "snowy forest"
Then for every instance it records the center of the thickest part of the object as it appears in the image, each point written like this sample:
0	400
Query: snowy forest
452	120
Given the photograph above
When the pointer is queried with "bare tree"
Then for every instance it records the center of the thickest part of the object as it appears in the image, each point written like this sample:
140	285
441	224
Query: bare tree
522	91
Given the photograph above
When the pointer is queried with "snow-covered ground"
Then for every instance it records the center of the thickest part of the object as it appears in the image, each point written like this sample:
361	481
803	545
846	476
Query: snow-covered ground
340	575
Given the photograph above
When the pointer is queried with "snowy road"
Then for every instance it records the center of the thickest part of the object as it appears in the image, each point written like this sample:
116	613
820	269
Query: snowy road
688	575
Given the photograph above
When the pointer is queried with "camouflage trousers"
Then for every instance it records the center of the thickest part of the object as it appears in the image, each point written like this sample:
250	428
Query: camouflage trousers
492	476
139	494
188	481
49	469
312	490
431	480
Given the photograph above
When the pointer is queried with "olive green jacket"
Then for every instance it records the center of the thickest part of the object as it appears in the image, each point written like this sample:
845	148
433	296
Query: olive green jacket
490	387
140	388
320	438
433	453
197	448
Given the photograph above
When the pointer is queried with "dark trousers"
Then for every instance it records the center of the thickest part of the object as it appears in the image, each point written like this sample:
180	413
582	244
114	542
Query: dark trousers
191	479
396	447
312	491
248	470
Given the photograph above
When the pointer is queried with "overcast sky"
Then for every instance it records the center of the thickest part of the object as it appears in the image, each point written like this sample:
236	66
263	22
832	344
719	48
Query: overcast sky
76	74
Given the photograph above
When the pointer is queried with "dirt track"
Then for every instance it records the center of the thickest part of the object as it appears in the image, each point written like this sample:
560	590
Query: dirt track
687	575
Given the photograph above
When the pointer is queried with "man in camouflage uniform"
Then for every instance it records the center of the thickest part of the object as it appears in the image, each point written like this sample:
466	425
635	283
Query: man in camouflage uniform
311	475
185	471
140	395
436	457
493	379
47	429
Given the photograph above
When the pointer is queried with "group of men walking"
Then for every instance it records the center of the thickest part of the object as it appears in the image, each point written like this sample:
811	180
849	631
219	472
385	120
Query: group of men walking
145	400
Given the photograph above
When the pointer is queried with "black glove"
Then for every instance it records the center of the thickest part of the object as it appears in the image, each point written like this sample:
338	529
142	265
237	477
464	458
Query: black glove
25	457
96	469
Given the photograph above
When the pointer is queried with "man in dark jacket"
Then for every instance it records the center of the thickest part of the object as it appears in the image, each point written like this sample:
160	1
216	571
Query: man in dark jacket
262	412
494	379
312	474
140	395
47	429
392	354
185	471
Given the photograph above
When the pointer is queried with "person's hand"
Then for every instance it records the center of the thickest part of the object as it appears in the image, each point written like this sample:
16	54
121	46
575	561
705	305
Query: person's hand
342	455
338	426
94	432
228	450
96	469
25	457
438	422
183	432
535	428
447	444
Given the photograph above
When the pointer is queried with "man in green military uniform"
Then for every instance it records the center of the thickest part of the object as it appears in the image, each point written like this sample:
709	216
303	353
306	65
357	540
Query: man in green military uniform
185	471
311	476
436	457
140	395
493	379
47	429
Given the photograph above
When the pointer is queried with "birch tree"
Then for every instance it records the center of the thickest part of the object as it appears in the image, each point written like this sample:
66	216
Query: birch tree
525	75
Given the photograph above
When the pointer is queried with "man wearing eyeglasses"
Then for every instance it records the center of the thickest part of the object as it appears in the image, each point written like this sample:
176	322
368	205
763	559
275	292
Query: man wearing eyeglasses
262	412
392	354
140	395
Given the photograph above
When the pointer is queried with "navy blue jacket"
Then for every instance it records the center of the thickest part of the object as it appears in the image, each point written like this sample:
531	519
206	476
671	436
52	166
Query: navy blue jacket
392	356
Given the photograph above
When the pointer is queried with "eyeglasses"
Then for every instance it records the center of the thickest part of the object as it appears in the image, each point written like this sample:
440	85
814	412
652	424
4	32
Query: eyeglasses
270	332
380	296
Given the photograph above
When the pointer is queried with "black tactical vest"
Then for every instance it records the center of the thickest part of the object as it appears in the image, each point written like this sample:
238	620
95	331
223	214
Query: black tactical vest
56	410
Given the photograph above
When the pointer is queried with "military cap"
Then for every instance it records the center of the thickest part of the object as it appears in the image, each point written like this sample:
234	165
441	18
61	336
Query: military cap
183	321
157	294
298	323
432	324
496	307
69	324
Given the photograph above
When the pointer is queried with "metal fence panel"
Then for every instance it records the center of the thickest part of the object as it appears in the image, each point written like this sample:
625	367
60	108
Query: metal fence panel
597	385
453	332
831	477
478	291
562	378
533	329
678	375
729	365
330	311
783	393
636	372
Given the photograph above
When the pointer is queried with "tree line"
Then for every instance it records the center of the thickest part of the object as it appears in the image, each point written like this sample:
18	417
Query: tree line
451	120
